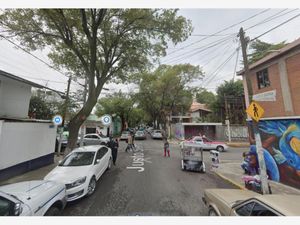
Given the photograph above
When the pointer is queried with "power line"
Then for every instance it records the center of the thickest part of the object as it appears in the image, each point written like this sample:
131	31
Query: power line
189	54
47	64
279	25
215	73
226	28
273	17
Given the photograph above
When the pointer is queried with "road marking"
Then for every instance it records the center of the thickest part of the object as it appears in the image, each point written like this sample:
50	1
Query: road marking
138	160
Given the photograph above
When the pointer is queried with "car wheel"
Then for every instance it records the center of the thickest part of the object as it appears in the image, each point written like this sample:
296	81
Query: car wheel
92	186
109	164
53	211
212	212
220	148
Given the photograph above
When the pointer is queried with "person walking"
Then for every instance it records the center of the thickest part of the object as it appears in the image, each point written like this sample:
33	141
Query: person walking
129	143
166	148
113	145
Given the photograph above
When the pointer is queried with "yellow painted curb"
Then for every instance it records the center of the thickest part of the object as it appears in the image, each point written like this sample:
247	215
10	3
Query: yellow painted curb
230	181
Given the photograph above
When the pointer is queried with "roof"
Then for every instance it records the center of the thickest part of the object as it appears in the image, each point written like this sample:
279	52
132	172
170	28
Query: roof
286	49
287	205
22	80
198	106
89	148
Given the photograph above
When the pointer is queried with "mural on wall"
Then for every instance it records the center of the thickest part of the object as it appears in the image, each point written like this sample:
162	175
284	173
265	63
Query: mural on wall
281	145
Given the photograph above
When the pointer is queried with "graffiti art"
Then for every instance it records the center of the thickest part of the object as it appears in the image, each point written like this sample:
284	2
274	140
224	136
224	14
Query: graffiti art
281	146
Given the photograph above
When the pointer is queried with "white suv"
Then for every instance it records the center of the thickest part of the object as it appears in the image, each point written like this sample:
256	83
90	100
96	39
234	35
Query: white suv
32	198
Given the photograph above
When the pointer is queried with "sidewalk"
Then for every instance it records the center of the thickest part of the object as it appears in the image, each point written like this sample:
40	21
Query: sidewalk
37	174
232	172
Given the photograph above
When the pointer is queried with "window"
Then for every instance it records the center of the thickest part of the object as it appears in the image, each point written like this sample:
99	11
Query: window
6	207
101	152
259	210
245	210
95	137
263	78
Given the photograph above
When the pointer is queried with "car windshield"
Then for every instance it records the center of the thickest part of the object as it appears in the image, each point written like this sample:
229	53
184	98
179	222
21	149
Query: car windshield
78	159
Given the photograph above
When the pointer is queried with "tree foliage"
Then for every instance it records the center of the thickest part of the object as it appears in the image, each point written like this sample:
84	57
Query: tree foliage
101	45
233	93
260	49
204	96
165	91
39	109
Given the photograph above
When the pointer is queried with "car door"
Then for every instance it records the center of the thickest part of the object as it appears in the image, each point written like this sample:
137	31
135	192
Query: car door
88	139
199	142
95	140
207	143
103	161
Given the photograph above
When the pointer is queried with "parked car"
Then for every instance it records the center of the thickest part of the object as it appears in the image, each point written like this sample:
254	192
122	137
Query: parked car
124	135
81	169
233	202
32	198
95	139
156	134
206	143
140	135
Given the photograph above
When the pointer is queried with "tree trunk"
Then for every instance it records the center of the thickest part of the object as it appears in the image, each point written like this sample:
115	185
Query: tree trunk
77	121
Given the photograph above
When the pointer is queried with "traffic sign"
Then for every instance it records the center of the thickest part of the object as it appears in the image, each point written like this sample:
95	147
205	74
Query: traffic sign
255	111
57	120
106	120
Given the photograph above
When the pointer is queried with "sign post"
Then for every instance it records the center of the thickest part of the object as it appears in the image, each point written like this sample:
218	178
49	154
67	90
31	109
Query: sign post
255	111
57	120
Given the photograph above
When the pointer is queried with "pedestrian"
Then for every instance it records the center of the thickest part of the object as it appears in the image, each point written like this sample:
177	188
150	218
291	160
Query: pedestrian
133	139
113	145
129	143
166	148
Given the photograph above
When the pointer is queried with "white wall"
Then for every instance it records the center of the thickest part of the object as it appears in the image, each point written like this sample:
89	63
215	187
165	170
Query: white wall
14	98
20	142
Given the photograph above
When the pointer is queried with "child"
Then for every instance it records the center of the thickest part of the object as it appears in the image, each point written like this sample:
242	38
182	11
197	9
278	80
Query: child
166	148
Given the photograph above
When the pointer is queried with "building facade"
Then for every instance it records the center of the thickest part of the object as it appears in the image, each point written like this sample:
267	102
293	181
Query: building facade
276	87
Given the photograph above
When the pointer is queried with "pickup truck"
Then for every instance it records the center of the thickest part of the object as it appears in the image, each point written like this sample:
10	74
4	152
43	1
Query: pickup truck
32	198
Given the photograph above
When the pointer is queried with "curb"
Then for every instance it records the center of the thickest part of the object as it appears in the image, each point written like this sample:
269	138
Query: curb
230	181
238	144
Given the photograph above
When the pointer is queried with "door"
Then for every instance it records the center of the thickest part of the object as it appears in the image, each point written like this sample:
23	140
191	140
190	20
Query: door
103	161
88	139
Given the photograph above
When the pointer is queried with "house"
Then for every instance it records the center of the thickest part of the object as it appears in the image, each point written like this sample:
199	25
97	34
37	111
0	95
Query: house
276	87
198	111
25	144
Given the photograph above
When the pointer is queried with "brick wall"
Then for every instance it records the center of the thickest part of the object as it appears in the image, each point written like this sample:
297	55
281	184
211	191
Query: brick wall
293	69
272	109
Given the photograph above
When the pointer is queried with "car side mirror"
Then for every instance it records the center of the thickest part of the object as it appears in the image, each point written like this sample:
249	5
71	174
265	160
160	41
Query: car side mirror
18	209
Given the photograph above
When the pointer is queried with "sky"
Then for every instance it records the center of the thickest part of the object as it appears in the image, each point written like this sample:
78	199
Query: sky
205	22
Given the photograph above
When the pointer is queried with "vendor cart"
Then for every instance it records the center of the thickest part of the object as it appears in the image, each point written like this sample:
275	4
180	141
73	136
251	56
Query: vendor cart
192	157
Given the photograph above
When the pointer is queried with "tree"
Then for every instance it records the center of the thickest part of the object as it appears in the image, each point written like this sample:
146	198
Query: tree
231	92
39	109
117	103
261	49
205	97
166	91
100	45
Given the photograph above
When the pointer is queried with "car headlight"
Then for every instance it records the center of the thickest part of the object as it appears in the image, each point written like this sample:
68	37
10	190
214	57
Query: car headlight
76	183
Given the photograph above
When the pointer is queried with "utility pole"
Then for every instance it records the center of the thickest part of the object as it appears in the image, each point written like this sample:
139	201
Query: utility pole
261	161
84	101
64	114
227	121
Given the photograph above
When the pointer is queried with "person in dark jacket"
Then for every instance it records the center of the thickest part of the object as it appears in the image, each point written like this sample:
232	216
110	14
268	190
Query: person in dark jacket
113	145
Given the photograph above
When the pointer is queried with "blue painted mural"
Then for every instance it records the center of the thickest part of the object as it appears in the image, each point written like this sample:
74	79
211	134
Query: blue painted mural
281	145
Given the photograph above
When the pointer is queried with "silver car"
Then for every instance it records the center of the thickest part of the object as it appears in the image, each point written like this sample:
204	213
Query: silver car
95	139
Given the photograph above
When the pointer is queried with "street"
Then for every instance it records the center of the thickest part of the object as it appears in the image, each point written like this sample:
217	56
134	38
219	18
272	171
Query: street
161	188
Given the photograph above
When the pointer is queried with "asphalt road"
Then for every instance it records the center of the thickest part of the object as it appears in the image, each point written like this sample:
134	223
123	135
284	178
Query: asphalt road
162	188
